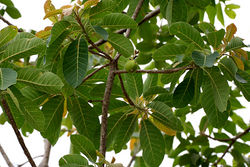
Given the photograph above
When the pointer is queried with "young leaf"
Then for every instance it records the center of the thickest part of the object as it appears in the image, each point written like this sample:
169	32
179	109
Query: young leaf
183	93
235	43
231	30
7	34
43	81
85	146
73	160
217	88
168	131
165	115
75	62
52	111
187	33
133	84
219	12
13	12
48	7
204	60
7	78
118	21
215	38
152	144
211	12
121	44
176	11
169	51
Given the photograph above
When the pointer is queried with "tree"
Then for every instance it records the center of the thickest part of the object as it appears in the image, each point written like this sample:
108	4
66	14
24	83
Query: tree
171	70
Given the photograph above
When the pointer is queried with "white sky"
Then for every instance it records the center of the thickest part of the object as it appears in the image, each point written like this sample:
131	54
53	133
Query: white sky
32	18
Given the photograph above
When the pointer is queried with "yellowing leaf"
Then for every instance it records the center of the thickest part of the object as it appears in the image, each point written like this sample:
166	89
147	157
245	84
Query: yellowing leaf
44	33
48	7
162	127
66	6
231	30
241	53
238	62
65	107
90	3
45	101
133	142
53	13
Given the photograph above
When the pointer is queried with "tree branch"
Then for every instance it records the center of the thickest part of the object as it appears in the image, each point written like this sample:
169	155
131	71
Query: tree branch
131	161
78	19
91	74
8	23
28	161
96	53
233	140
18	134
5	157
45	160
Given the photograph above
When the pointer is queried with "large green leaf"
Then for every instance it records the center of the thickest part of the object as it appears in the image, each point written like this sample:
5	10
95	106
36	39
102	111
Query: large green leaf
204	60
244	87
165	115
43	81
118	21
125	132
75	62
183	93
53	112
235	43
101	9
215	38
133	84
216	85
169	51
85	146
152	144
176	11
200	4
84	118
7	34
121	44
152	80
228	67
7	78
22	48
73	160
187	33
32	114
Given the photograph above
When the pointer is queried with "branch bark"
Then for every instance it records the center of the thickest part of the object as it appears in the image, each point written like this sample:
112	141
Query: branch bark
45	160
18	134
8	23
5	157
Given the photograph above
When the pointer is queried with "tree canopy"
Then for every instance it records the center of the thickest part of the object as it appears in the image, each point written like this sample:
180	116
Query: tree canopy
113	72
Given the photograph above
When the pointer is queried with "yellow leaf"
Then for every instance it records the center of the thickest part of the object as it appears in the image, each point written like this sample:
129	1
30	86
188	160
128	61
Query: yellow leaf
230	31
162	127
133	142
90	3
44	33
45	101
65	107
48	7
238	62
241	53
53	13
66	6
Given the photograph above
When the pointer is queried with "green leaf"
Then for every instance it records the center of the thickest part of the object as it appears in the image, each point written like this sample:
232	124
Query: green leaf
133	85
154	90
125	132
211	12
7	2
121	44
102	32
22	48
183	93
200	4
7	78
151	81
101	9
165	115
32	114
118	21
244	87
216	87
228	67
169	51
33	95
187	33
85	146
219	12
75	62
53	113
235	43
84	118
13	12
139	162
206	27
204	60
7	34
43	81
73	160
242	147
152	144
215	38
198	78
176	11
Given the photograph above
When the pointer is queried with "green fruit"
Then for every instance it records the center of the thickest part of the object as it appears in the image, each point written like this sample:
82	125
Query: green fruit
130	66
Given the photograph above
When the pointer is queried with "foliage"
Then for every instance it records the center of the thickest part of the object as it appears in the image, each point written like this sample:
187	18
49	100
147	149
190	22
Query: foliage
78	76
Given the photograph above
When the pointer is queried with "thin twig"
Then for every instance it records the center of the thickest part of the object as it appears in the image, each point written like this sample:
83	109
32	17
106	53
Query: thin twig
91	74
217	139
18	134
5	157
28	161
96	53
233	140
6	21
168	71
78	19
131	161
47	148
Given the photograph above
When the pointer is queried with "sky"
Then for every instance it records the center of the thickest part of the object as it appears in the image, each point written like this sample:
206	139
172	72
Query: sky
32	18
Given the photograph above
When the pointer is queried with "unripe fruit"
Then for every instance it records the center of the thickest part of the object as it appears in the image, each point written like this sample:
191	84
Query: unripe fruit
130	66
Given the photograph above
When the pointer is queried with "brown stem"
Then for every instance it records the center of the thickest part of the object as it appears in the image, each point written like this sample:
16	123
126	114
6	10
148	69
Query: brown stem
47	148
131	161
18	134
8	23
96	53
105	105
217	139
5	157
157	71
233	140
91	74
28	161
78	19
